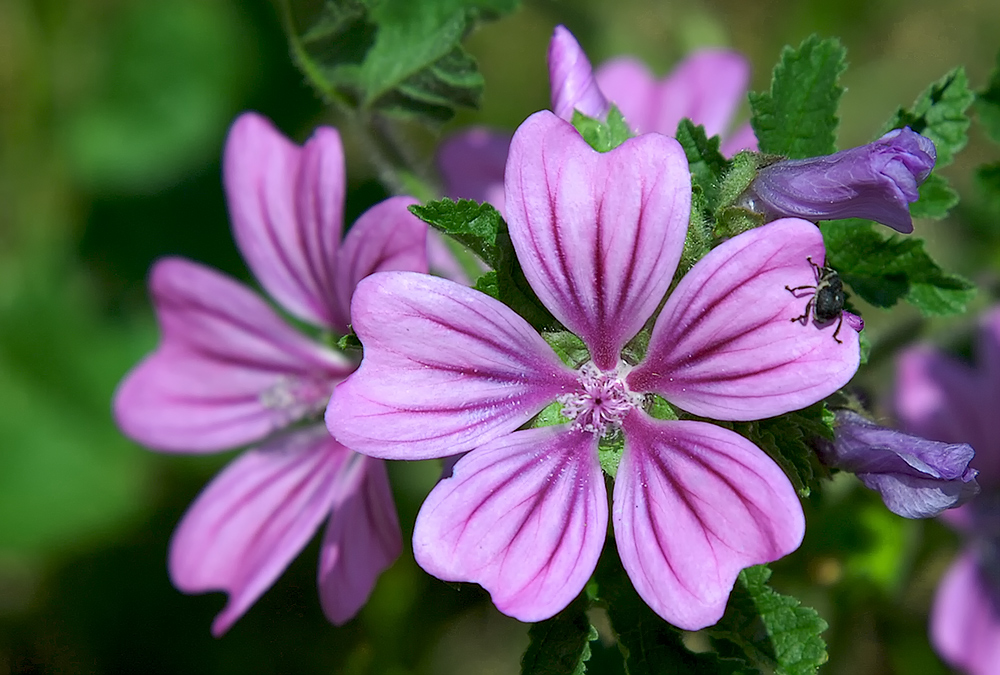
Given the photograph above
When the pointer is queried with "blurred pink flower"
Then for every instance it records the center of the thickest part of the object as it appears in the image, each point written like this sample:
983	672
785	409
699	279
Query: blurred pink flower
448	370
229	371
942	398
706	87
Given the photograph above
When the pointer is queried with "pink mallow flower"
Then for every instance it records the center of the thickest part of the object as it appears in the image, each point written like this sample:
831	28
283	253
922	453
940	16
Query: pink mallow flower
230	371
942	398
706	87
449	370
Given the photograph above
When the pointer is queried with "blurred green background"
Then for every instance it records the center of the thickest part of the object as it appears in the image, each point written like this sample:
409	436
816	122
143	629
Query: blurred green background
112	118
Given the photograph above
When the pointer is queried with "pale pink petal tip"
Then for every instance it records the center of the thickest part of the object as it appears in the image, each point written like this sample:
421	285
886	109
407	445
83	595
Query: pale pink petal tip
572	80
251	521
524	516
693	505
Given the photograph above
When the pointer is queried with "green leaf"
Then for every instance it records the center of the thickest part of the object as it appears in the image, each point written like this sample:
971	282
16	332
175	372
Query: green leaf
988	103
798	116
772	630
789	440
560	645
649	645
884	269
936	198
708	165
482	229
603	135
393	56
470	223
939	114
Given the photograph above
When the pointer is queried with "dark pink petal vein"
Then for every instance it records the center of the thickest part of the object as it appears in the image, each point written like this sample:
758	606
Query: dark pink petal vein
446	369
524	516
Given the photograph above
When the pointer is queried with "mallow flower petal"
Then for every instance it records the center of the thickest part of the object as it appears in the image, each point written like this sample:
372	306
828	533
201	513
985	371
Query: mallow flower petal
251	521
571	79
707	87
472	162
362	539
628	84
228	370
741	139
386	237
965	618
598	235
524	516
939	397
693	505
287	204
727	345
446	369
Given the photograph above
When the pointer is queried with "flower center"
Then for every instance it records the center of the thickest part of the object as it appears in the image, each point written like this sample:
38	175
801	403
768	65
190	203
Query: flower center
602	400
297	397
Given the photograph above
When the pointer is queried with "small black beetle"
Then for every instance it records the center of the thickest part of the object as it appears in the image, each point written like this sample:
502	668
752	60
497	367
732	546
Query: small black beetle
827	303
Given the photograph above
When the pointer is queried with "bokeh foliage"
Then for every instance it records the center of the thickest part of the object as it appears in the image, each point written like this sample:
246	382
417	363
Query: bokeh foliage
112	119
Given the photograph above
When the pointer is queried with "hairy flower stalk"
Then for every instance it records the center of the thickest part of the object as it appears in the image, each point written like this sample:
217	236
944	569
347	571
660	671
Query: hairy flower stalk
229	372
707	87
916	477
940	397
877	181
450	370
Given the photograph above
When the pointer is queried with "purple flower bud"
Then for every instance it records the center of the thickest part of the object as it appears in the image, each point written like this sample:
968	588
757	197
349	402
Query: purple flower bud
916	477
877	181
572	79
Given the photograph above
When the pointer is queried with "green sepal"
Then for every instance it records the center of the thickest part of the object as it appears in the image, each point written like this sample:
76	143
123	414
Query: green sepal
886	268
658	408
603	135
707	164
569	347
939	113
349	342
789	440
560	645
550	416
609	452
772	631
797	118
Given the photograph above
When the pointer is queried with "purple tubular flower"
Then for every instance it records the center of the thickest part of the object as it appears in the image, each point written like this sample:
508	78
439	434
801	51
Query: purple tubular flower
916	477
449	370
706	87
877	181
229	371
939	397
